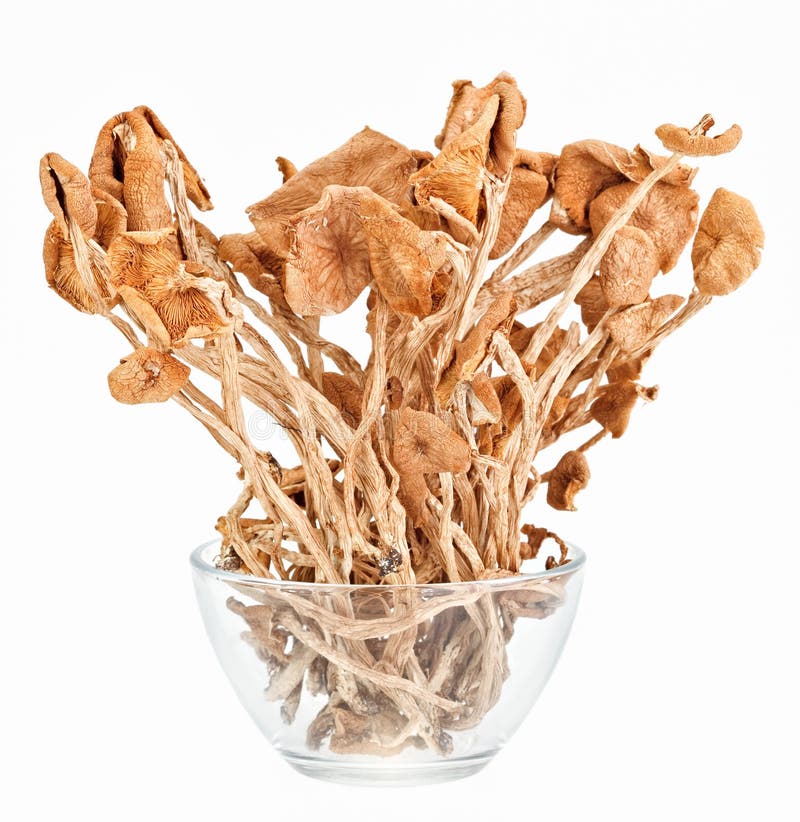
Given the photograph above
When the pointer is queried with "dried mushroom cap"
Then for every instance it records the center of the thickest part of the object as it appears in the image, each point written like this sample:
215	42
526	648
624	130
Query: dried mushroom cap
457	173
483	399
726	249
521	336
64	277
196	189
668	215
328	263
350	237
67	193
570	475
127	163
286	167
468	103
592	300
470	352
625	369
425	444
174	300
613	407
345	395
403	258
250	255
628	267
633	326
588	167
147	375
369	159
681	140
528	190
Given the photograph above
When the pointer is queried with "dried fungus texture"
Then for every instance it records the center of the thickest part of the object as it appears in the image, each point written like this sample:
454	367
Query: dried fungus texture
414	464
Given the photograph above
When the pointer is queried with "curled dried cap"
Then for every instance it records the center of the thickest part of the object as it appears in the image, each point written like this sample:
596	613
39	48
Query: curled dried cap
424	444
196	189
592	300
483	400
589	167
628	267
147	375
127	163
112	219
612	409
633	326
470	352
350	237
67	193
668	215
528	190
456	174
466	106
343	393
681	140
64	276
173	299
568	477
369	159
727	247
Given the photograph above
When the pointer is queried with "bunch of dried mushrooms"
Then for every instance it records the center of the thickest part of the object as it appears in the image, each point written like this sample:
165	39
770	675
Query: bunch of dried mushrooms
416	466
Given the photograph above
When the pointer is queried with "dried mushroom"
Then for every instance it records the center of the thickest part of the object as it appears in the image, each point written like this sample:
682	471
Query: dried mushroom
727	247
633	326
414	464
677	138
668	215
570	475
628	267
147	375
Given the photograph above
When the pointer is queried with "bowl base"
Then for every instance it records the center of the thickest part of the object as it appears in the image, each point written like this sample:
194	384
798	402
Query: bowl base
355	773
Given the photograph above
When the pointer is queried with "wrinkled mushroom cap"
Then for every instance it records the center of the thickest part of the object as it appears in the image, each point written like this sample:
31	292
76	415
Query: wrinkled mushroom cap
425	444
147	375
727	247
613	407
680	139
67	193
628	267
593	303
343	393
483	400
570	475
632	327
668	215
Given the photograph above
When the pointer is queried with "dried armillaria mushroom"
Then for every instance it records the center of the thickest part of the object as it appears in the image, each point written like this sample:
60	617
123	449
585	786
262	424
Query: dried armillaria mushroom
436	438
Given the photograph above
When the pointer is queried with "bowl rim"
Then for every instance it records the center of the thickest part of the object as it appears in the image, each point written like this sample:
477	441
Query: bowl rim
200	564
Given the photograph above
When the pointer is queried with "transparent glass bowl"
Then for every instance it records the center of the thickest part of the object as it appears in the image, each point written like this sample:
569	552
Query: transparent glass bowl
395	684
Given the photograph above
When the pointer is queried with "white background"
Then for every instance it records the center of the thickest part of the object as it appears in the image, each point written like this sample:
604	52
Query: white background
676	697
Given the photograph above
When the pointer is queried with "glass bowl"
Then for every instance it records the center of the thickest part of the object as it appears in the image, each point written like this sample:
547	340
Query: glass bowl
388	684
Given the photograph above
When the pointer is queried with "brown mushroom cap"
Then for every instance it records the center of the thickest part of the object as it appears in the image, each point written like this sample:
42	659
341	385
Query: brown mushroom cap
589	167
633	326
570	475
134	177
469	353
592	300
63	275
727	247
466	106
112	219
677	138
147	375
528	190
174	300
625	369
196	189
613	407
456	174
67	193
369	159
668	215
343	393
628	267
483	399
424	444
350	237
